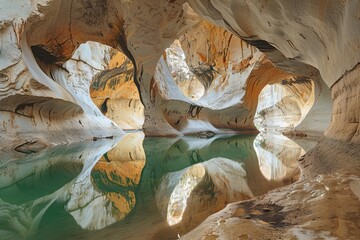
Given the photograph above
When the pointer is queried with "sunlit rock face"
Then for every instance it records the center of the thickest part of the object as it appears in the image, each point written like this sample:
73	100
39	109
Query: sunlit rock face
232	74
40	97
183	76
37	80
44	88
222	59
114	92
283	106
43	101
306	38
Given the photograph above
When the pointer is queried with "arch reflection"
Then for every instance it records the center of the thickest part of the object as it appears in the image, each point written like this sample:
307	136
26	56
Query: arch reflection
163	186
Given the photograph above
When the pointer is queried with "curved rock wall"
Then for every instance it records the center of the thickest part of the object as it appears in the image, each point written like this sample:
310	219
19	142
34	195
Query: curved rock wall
232	73
320	40
300	37
345	118
220	59
44	99
37	49
44	96
114	92
183	76
284	105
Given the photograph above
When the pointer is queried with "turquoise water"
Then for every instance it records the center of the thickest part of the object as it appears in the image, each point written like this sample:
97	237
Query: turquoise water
136	187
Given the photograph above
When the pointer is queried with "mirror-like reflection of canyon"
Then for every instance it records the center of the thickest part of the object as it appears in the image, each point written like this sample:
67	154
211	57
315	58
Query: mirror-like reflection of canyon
137	188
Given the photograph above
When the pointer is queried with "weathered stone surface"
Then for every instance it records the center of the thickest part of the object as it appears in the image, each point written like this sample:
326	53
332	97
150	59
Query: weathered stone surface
303	38
114	91
229	101
44	84
183	76
345	118
284	105
218	59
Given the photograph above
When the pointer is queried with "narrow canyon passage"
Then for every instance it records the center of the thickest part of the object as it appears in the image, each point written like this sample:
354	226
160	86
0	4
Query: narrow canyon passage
191	119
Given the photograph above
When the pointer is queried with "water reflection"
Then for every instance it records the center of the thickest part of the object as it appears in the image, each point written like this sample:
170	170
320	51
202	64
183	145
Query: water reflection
163	186
30	184
276	154
195	178
106	193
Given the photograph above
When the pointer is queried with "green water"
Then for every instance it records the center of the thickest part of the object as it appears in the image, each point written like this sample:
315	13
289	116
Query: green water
137	187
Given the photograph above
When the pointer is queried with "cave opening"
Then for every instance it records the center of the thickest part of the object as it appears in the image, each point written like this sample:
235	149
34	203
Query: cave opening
239	89
107	76
182	74
115	93
283	106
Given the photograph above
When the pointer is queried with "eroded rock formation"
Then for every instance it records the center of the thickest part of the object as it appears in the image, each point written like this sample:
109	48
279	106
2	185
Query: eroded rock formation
283	106
46	82
114	92
233	47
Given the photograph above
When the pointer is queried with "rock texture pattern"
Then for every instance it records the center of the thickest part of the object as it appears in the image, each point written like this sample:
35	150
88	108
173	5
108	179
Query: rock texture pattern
232	84
39	67
283	106
234	48
114	92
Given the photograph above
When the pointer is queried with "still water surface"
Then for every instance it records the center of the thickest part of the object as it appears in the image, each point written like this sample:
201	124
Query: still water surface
137	188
